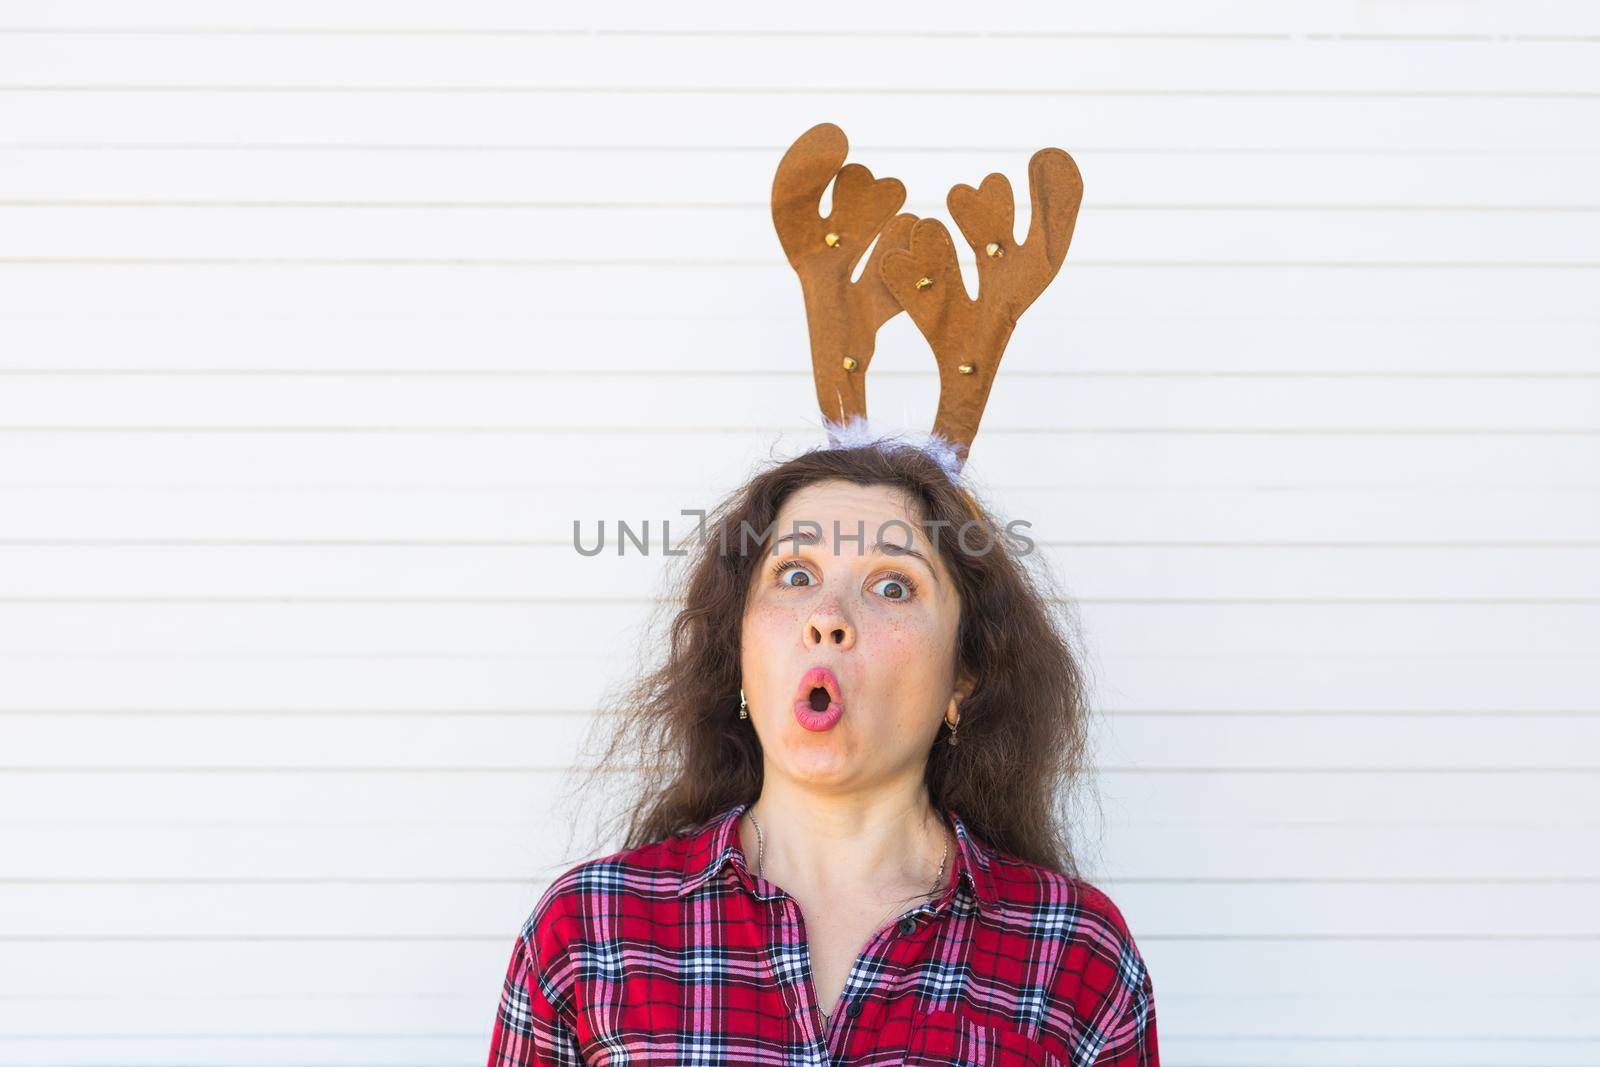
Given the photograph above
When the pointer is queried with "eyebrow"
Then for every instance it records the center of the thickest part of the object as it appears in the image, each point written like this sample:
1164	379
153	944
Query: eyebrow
808	537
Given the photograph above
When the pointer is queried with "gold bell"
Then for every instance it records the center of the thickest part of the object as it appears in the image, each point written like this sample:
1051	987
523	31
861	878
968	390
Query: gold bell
994	249
849	362
924	281
831	240
965	368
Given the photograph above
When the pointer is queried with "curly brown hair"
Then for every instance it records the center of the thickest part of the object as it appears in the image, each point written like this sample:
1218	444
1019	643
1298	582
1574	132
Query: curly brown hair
1019	764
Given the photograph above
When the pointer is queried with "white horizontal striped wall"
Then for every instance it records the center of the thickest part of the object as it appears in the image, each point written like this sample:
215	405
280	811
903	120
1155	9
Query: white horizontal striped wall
320	323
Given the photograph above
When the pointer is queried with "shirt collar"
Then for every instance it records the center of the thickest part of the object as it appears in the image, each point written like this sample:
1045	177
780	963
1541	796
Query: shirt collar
716	843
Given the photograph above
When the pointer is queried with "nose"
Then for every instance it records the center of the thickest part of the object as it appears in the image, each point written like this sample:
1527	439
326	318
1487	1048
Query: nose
829	626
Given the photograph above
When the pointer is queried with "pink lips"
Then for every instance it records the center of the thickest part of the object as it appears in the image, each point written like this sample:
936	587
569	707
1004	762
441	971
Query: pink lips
818	720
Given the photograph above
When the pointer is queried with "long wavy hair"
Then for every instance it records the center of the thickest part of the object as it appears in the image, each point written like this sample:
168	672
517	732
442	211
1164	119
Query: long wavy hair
1019	766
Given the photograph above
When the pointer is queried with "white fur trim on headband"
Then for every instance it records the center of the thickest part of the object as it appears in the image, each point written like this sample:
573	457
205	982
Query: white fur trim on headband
858	431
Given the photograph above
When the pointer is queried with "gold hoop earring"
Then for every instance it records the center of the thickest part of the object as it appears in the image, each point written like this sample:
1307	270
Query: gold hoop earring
744	709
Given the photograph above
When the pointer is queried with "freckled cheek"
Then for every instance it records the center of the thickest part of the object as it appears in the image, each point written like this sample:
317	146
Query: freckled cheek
769	631
898	643
768	620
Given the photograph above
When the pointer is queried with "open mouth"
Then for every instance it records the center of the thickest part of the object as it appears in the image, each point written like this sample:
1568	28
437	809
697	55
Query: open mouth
819	690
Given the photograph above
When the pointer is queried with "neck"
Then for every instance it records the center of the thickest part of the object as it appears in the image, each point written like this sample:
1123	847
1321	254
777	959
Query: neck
887	844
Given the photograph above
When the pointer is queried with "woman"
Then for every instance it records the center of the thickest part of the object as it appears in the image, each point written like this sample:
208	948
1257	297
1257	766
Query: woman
845	851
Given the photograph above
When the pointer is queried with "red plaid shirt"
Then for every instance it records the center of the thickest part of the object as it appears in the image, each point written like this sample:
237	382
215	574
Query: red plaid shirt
675	953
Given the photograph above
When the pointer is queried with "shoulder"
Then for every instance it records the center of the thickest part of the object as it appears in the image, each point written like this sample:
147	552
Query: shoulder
1047	897
1089	908
630	881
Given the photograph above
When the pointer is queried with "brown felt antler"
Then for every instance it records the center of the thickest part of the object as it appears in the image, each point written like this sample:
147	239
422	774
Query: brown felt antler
969	336
843	316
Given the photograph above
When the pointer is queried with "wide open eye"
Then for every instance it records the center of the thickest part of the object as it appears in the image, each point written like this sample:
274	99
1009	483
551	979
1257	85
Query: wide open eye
897	586
793	566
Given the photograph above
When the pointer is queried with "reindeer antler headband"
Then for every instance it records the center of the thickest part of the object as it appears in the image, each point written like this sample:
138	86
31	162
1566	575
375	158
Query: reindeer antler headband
913	266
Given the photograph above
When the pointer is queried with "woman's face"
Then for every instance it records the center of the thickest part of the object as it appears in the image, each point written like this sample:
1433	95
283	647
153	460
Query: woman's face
881	619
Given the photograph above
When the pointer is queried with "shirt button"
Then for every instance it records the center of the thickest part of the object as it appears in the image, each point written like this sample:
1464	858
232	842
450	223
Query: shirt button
854	1009
908	926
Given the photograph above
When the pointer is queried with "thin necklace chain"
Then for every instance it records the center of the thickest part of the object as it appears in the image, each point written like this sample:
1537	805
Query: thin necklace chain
761	860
